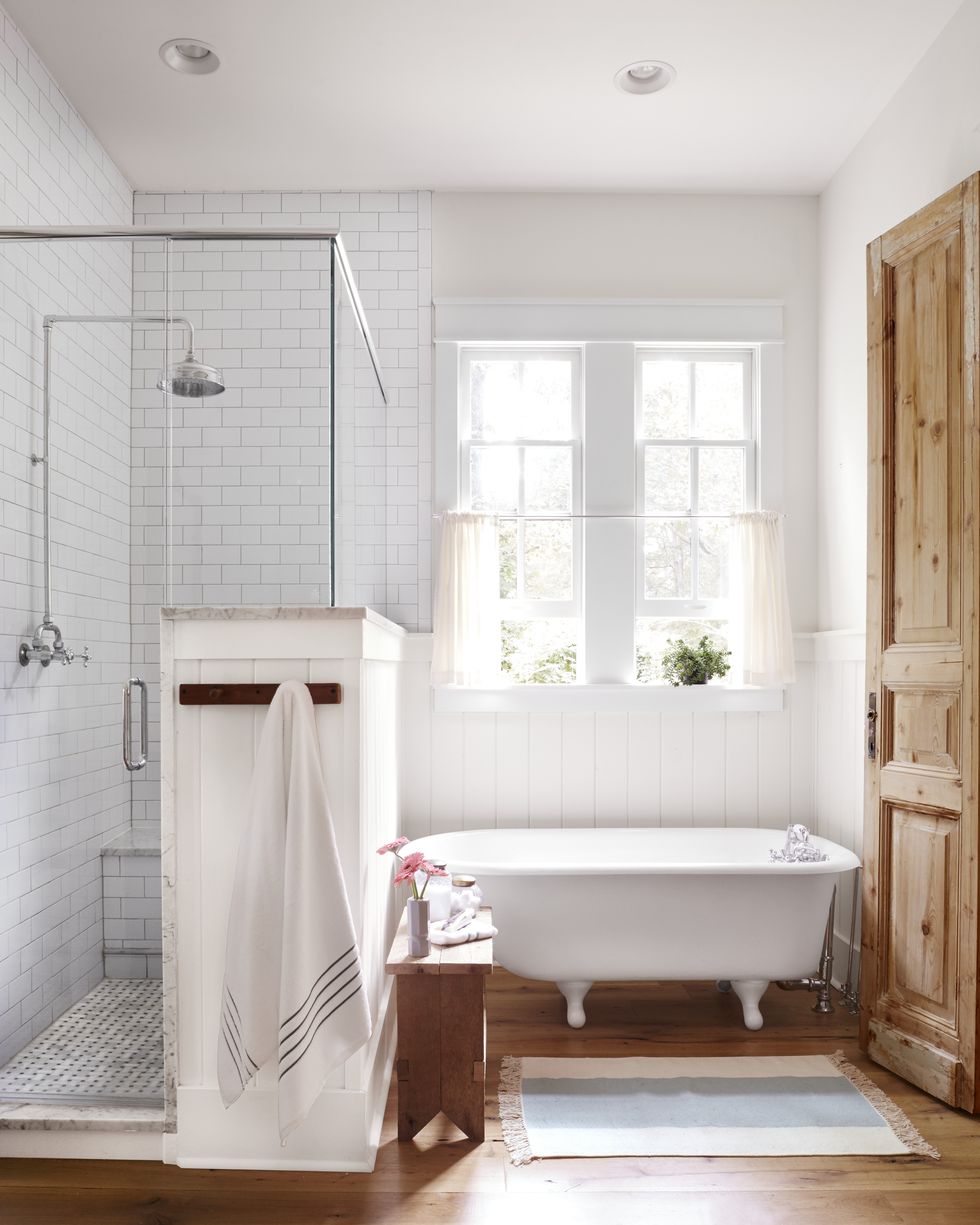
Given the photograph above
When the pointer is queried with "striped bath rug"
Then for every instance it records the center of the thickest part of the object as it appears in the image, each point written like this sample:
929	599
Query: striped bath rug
767	1106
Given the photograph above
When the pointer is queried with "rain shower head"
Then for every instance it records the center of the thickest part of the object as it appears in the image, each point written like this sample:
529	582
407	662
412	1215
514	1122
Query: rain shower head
191	377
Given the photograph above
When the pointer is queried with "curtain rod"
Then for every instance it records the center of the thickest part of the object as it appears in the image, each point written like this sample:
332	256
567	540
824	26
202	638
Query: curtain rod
605	515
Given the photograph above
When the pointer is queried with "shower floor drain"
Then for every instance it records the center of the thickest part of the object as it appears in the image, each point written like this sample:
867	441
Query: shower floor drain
106	1049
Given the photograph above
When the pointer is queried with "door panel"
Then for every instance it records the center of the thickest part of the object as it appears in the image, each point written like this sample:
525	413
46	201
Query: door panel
919	956
925	293
921	951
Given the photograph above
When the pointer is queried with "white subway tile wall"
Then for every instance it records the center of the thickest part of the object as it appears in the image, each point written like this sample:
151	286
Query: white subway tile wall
63	789
250	520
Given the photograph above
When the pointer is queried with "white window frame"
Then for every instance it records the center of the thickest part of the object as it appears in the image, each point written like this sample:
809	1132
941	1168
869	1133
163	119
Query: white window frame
528	609
695	608
604	333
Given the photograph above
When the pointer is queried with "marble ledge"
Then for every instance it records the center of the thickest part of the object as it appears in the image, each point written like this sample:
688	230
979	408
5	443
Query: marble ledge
275	612
133	842
33	1116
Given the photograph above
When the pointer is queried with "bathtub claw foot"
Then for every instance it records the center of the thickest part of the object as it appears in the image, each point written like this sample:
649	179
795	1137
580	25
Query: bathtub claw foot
723	985
750	991
575	994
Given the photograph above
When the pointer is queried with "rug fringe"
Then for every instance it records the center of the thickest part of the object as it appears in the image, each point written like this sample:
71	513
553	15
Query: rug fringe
512	1112
894	1115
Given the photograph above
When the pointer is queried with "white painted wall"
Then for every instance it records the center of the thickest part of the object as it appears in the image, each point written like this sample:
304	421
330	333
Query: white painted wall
63	788
925	141
674	247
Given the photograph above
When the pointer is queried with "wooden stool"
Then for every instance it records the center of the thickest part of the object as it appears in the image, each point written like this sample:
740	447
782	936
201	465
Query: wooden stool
441	1032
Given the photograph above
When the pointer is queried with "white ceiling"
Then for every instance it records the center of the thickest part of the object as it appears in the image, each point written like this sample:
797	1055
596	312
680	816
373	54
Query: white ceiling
770	95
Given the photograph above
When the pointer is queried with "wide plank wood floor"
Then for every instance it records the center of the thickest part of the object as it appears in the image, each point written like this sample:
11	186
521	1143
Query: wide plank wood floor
442	1179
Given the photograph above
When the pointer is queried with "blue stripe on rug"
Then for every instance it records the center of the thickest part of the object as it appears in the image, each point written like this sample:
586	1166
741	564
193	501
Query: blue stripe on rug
697	1101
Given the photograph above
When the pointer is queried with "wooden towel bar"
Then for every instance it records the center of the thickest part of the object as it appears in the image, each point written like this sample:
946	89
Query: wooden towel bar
326	693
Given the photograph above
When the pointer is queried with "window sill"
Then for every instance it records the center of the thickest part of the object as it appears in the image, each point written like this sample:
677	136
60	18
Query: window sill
600	698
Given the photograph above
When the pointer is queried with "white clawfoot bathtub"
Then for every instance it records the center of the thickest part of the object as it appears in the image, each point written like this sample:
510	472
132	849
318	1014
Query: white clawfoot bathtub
578	906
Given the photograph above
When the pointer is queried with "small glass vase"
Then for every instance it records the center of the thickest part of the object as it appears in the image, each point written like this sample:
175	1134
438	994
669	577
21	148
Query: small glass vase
418	927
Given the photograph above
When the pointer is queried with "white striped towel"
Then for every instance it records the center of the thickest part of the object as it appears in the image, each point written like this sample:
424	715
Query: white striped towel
292	990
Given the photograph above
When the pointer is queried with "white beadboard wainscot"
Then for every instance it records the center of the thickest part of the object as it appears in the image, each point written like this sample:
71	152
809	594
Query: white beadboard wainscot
583	767
208	755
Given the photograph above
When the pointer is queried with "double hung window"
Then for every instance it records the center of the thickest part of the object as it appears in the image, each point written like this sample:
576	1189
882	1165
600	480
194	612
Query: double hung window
677	429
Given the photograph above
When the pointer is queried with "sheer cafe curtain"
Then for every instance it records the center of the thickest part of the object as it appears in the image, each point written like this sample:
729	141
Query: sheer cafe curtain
763	636
466	623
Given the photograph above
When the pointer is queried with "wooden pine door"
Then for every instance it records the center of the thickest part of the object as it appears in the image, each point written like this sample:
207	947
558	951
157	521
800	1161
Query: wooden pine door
919	956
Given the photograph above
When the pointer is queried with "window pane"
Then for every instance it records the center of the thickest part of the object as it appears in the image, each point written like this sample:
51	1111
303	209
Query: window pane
495	390
714	537
721	480
718	406
493	478
652	634
548	480
546	404
667	480
547	559
666	399
543	651
667	559
507	543
521	399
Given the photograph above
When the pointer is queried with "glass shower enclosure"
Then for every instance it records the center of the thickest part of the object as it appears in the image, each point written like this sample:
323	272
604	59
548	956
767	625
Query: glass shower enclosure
185	408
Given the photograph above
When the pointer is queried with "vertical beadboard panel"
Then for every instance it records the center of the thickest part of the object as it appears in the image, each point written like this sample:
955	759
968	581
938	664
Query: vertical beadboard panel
578	773
479	771
447	773
187	785
378	818
742	769
513	752
544	769
800	699
612	769
643	784
709	769
227	738
677	765
775	769
854	750
415	756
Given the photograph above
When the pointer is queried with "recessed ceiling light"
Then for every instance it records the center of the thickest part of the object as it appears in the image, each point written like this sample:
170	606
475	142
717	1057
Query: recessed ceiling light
189	55
645	77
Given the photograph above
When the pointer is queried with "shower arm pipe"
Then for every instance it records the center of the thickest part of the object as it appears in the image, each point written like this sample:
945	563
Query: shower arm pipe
49	320
44	458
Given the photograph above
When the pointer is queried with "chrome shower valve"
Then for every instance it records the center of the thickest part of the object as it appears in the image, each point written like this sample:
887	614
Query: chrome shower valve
43	652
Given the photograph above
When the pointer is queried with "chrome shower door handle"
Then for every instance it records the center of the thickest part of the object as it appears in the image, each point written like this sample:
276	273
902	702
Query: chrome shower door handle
127	740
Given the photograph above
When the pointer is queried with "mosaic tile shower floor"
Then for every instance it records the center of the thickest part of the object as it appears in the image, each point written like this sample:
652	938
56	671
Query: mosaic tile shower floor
107	1050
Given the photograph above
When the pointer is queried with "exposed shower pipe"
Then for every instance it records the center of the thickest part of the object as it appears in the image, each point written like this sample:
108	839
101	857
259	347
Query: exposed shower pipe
38	649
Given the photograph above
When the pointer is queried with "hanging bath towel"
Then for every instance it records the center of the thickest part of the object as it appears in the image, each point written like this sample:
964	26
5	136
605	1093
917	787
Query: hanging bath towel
293	990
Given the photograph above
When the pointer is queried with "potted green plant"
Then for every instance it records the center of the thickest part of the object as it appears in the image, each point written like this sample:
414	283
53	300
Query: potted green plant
684	664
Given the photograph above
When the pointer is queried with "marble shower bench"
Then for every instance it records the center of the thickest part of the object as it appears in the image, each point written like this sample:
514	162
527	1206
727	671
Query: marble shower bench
132	928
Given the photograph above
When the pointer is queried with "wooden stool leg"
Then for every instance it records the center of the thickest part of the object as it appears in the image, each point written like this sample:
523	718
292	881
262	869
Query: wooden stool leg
463	1042
419	1057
